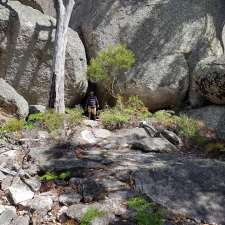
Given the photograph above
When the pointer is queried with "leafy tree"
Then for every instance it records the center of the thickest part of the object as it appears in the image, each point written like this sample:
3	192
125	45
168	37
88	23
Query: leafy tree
109	65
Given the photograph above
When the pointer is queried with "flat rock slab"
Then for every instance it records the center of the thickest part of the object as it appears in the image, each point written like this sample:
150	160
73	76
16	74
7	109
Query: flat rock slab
7	214
20	192
152	145
91	123
189	186
69	198
94	135
59	158
41	204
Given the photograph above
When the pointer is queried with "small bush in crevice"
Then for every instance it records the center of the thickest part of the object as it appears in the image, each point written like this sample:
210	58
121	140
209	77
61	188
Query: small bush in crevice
125	113
110	65
144	212
91	214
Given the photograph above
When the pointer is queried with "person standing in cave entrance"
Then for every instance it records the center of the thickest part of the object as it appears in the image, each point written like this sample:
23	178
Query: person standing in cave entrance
92	105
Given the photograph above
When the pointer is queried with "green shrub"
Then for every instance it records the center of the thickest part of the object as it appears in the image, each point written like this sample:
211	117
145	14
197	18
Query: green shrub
91	214
52	120
64	175
114	119
125	113
36	117
136	108
188	127
49	120
13	125
74	116
144	214
165	118
109	65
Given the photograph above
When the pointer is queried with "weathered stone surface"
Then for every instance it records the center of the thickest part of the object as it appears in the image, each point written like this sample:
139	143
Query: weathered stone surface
209	78
111	184
188	186
7	214
88	137
2	176
61	215
94	135
20	192
91	190
37	109
47	7
70	198
212	116
104	220
42	204
91	123
11	102
59	158
101	133
6	183
34	183
78	210
21	220
152	145
26	47
160	75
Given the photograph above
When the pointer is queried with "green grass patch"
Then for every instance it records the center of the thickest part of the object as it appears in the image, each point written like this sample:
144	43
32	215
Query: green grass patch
51	176
125	113
144	213
74	116
13	125
114	119
91	214
186	127
53	121
49	120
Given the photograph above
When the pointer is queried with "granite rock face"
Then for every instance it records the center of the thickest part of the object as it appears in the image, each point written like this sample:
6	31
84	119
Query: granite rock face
26	48
11	102
209	80
168	38
213	116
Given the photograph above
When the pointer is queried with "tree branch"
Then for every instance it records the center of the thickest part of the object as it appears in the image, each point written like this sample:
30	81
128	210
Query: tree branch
68	11
61	5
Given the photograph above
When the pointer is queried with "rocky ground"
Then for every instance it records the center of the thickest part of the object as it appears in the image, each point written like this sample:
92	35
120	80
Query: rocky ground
107	168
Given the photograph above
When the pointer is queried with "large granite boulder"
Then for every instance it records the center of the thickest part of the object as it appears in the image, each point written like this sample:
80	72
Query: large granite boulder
47	7
213	117
167	37
209	80
11	102
26	50
188	186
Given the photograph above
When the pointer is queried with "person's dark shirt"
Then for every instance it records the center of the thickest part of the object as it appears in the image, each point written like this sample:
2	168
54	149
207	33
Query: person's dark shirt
92	101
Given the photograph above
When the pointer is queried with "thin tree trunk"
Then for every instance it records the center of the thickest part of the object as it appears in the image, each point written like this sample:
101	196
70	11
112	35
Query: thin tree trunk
58	68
